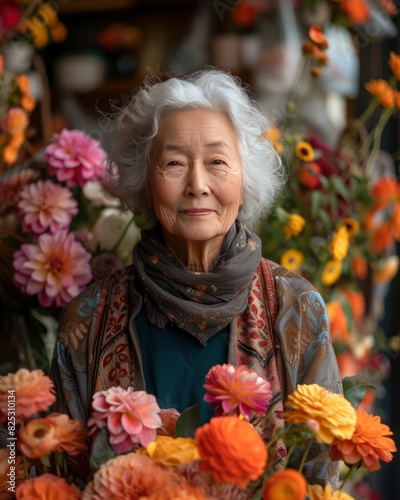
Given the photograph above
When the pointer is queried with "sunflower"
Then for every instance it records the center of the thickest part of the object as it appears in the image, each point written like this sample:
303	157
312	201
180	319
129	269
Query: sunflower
305	151
292	259
331	272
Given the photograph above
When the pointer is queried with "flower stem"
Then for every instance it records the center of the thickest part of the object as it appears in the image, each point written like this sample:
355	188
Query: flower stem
305	455
26	468
349	472
114	248
383	119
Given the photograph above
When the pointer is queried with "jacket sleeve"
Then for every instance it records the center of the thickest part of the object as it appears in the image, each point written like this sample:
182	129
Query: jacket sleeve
306	357
72	363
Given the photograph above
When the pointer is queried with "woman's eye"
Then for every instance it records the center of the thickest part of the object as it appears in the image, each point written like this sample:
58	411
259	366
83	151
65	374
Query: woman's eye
173	163
218	162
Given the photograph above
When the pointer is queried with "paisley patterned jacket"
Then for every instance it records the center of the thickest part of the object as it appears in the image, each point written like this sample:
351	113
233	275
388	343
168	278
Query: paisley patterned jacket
283	335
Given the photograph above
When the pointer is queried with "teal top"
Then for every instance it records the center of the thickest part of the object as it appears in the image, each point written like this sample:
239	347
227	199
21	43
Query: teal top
175	364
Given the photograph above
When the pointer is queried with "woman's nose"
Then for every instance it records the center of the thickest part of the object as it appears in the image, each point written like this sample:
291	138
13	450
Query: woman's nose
198	181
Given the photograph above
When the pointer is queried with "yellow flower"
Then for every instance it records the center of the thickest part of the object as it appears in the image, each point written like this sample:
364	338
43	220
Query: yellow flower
339	245
331	272
294	226
171	451
305	151
292	259
317	492
351	225
334	414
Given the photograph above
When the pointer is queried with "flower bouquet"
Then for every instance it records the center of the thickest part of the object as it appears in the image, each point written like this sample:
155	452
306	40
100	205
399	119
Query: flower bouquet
140	451
338	222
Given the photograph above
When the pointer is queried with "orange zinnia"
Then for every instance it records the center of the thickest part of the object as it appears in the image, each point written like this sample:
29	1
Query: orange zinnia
232	450
385	190
69	433
15	121
287	484
338	321
382	91
308	174
357	10
357	302
34	392
37	438
359	267
394	63
47	486
382	238
369	443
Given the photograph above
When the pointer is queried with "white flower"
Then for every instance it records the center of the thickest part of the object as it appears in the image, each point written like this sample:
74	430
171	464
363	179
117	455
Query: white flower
109	228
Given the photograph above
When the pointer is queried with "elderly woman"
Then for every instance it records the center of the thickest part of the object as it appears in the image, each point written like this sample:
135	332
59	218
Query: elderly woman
189	157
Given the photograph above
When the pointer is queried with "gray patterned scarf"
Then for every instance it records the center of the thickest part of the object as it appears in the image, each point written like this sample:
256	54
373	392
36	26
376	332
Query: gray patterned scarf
199	303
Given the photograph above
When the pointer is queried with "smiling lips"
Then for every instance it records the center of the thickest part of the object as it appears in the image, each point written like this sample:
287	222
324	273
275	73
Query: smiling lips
196	212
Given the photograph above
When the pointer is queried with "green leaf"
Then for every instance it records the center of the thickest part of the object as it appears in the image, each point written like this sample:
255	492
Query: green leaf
326	221
354	389
188	422
316	203
340	186
101	450
45	461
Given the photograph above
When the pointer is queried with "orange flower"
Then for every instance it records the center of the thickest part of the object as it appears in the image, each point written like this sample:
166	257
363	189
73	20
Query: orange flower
368	445
22	82
385	190
47	487
317	492
273	134
37	438
287	484
395	221
136	476
69	433
334	414
317	36
382	238
244	14
356	301
308	174
15	121
5	493
357	10
27	103
382	91
172	451
338	321
394	63
339	244
387	271
10	154
34	392
232	450
359	267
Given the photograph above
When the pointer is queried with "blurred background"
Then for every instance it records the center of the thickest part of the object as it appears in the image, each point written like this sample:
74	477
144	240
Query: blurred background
83	58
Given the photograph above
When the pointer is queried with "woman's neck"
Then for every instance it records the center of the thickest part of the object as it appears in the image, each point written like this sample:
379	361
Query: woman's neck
197	256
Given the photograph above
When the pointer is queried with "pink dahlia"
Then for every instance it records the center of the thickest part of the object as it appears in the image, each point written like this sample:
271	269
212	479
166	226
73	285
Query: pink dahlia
132	417
75	158
236	390
46	207
55	269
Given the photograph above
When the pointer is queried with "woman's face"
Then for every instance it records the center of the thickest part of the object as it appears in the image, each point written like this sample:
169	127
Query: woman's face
195	182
